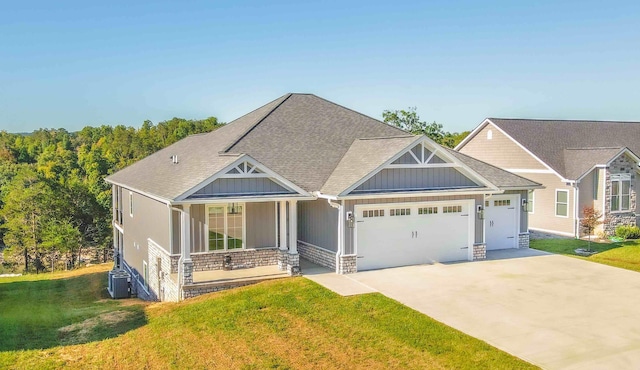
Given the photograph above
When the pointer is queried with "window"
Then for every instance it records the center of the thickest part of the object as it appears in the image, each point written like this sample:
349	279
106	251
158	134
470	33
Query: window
562	203
451	209
131	204
427	210
530	199
373	213
226	227
502	202
620	192
400	212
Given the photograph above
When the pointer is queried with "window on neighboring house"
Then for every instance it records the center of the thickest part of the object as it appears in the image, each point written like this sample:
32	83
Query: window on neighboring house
530	199
131	204
562	203
620	192
226	227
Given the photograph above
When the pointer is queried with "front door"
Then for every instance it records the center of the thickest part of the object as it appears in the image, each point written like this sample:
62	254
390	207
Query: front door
501	221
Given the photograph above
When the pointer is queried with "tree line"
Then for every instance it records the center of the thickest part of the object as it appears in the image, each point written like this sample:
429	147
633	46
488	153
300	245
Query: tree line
54	203
55	206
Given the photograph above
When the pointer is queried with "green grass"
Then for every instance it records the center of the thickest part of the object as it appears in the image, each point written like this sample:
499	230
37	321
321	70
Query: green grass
285	324
625	255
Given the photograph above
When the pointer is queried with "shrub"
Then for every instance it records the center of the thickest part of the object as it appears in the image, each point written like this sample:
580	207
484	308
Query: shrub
628	232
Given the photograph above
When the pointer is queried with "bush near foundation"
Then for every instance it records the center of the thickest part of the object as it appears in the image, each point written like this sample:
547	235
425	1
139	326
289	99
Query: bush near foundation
628	232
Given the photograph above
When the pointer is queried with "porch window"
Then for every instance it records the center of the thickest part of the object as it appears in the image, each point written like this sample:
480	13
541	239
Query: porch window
226	227
620	192
562	203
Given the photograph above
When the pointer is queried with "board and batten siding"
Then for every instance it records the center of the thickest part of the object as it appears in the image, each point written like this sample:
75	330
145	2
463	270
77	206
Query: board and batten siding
318	224
350	207
415	179
499	151
223	186
150	220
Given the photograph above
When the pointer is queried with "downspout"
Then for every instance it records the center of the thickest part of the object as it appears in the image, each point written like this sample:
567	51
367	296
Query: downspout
340	209
576	214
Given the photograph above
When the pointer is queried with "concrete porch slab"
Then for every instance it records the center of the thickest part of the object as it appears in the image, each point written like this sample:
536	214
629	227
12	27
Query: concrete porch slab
341	284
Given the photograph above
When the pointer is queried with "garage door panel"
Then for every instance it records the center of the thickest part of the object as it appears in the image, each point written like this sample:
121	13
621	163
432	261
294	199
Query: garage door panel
391	241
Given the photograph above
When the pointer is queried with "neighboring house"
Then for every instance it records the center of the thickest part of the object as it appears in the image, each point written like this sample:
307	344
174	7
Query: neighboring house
580	163
304	177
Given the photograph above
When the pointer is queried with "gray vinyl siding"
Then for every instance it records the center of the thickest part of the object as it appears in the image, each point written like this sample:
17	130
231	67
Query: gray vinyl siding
244	186
150	220
318	224
261	224
524	215
350	206
416	179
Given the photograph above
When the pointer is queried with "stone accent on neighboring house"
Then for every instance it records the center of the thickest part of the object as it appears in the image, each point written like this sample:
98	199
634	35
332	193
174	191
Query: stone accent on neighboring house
622	164
317	255
347	264
479	252
242	258
523	240
161	284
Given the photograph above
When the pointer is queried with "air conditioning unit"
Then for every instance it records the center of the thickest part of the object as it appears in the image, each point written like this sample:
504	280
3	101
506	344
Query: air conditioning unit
119	281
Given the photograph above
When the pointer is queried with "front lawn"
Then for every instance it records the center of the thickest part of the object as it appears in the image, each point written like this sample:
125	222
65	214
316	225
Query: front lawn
625	255
287	324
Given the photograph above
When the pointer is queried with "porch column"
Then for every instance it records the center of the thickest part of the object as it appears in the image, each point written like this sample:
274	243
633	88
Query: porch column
283	225
293	226
185	231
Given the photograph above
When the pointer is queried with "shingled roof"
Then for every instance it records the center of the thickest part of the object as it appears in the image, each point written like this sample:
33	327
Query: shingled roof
550	139
311	142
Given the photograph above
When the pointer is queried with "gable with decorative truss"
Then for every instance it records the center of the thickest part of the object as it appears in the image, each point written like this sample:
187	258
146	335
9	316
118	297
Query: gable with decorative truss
245	177
423	167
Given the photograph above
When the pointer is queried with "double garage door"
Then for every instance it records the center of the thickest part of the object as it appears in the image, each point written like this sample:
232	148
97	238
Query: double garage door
413	233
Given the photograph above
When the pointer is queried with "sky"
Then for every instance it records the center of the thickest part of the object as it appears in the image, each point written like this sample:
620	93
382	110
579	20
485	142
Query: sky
69	64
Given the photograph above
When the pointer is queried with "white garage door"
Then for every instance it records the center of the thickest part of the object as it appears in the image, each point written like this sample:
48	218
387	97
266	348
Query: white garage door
501	221
411	234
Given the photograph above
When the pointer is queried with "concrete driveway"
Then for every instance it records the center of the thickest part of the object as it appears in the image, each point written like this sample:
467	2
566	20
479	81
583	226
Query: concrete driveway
556	312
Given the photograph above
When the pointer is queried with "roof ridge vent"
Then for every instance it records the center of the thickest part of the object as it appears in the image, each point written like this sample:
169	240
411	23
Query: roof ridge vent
174	159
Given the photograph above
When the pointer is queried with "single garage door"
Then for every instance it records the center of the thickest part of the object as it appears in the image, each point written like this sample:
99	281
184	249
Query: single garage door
501	221
413	233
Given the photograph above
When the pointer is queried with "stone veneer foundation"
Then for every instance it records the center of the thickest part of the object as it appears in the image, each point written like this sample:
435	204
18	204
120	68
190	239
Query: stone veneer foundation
317	255
479	252
523	240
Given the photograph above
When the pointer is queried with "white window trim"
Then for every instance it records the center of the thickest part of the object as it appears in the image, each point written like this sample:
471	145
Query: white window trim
619	178
226	235
533	202
555	203
131	204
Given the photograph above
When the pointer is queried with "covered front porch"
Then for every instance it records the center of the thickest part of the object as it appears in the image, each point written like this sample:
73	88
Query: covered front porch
232	242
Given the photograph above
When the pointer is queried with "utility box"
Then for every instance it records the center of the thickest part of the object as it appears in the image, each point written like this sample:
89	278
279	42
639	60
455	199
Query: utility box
119	281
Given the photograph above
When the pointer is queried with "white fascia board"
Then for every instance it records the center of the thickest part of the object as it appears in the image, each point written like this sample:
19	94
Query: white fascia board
245	158
421	194
154	197
435	148
472	134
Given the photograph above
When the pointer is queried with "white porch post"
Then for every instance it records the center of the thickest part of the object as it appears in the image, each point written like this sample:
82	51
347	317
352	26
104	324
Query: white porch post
293	259
185	231
293	226
283	225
